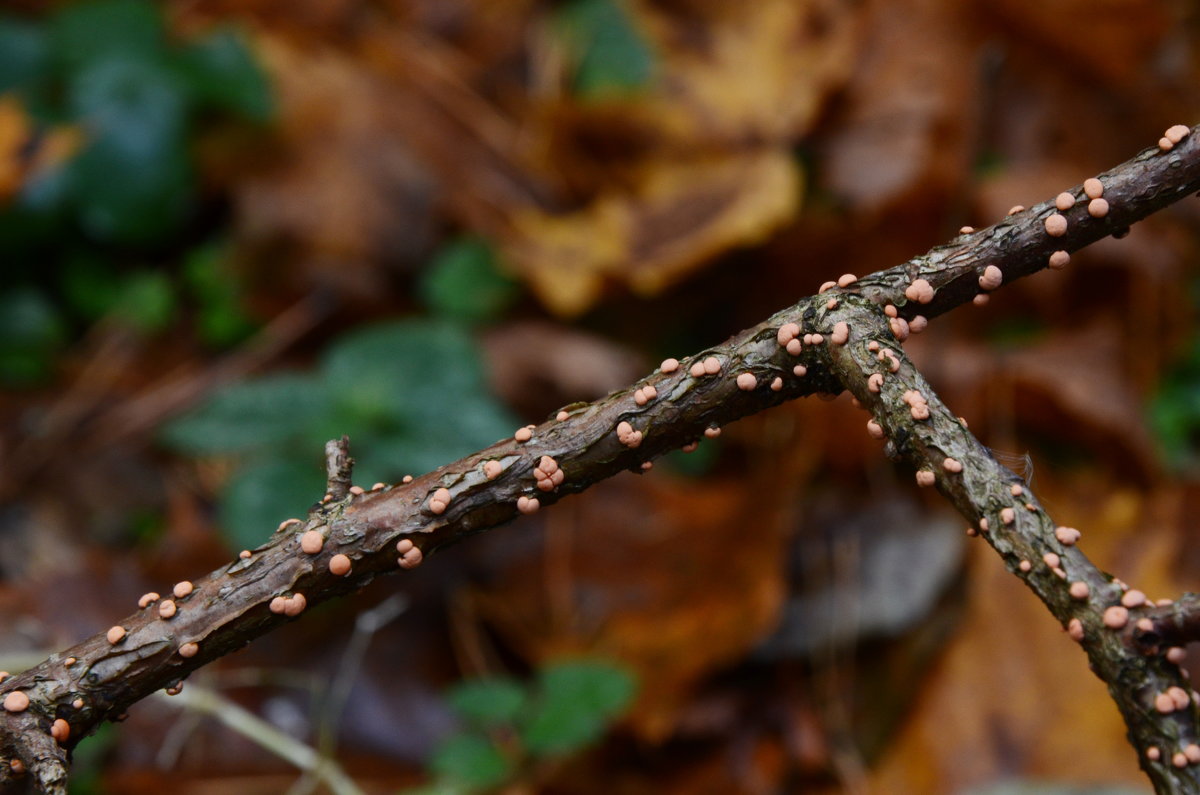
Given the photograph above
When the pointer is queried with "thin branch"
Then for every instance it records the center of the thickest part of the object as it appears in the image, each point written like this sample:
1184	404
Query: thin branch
386	529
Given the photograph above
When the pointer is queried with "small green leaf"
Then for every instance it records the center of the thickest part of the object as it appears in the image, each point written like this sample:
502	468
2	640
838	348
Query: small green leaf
147	301
262	413
31	332
23	53
611	55
575	702
463	283
472	760
82	33
263	494
221	72
488	702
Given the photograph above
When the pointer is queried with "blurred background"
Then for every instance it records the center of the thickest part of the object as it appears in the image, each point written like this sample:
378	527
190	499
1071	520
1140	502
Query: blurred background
232	229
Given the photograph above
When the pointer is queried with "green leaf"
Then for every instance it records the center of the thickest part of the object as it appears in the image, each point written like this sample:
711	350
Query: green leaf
23	53
575	702
252	415
147	301
265	493
488	702
463	282
82	33
221	320
221	72
611	55
31	332
471	760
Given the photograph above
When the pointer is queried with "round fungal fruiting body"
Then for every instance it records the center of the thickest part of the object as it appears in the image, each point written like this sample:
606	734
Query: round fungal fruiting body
1145	624
1164	703
1016	489
891	311
832	303
646	466
286	523
189	649
690	447
899	328
1058	260
787	332
1179	760
991	278
1056	225
746	382
799	371
562	416
1153	754
278	605
1064	201
340	565
627	436
712	365
1025	566
1098	208
983	524
311	542
966	230
295	605
1051	559
439	501
925	477
406	479
826	286
1075	629
920	291
548	474
794	347
1116	617
1177	132
115	634
1165	144
952	465
875	382
166	608
697	370
668	366
846	279
1179	697
60	730
1133	598
523	434
1007	515
528	505
1079	590
981	299
410	555
712	432
875	431
492	469
147	599
16	701
918	324
777	384
1067	535
1093	187
841	333
1192	752
1176	654
182	589
245	554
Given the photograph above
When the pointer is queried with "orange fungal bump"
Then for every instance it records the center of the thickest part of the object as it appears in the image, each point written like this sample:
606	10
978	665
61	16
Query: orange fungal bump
1051	559
439	501
189	650
1176	654
918	324
646	466
920	291
278	605
1093	187
799	371
981	299
873	346
378	486
182	589
147	599
562	415
245	554
832	303
311	542
1025	565
1179	696
357	491
1016	208
690	447
966	230
1059	260
1180	760
295	605
817	339
1177	132
1007	515
1079	590
1192	752
891	311
712	365
899	327
875	431
925	477
746	382
668	366
1016	489
67	663
787	332
339	565
1098	208
952	465
1075	629
1133	598
1145	624
528	505
846	279
825	286
1067	535
697	370
409	478
712	433
1056	225
992	278
874	382
286	523
523	434
1153	754
16	701
794	347
166	608
410	555
115	634
60	730
841	333
1165	144
627	436
404	545
983	523
777	384
1064	201
492	469
1116	617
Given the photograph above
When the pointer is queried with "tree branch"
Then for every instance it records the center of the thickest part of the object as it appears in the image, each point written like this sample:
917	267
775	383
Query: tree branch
821	344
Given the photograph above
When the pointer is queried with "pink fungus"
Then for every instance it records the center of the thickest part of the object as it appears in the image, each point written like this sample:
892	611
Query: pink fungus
899	327
115	634
1192	752
1164	703
410	558
16	701
1075	629
189	650
874	382
1179	697
627	436
286	523
992	278
1016	208
1064	201
646	466
875	431
1177	133
846	279
1145	624
981	299
799	371
966	230
1016	489
60	730
777	384
1093	187
492	469
697	370
952	465
690	447
920	291
147	598
712	365
1179	760
794	347
746	382
918	324
409	478
1153	754
1067	535
1079	590
523	434
1098	208
832	303
712	433
668	366
562	416
1007	515
311	542
826	286
983	523
166	608
1176	654
841	333
278	605
817	339
357	491
1116	617
1165	144
439	501
1056	225
787	332
245	554
891	311
1052	560
295	605
925	477
873	346
1025	565
339	565
1059	260
1133	598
